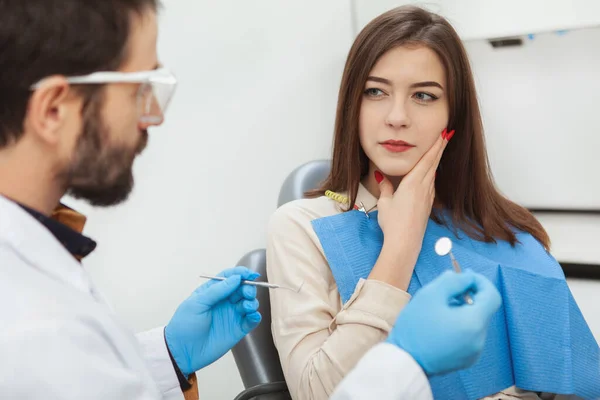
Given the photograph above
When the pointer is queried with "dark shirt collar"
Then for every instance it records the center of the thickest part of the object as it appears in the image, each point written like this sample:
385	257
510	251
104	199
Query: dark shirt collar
66	225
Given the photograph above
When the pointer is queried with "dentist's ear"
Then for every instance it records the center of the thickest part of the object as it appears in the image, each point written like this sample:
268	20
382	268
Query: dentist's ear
49	107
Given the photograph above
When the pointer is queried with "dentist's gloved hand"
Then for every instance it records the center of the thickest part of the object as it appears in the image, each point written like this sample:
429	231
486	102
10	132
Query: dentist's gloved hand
213	320
441	335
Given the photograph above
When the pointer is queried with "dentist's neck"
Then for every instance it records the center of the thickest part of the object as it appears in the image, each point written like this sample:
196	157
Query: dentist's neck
25	177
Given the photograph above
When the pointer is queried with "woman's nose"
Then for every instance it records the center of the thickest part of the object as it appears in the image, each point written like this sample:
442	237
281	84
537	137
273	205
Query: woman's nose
398	115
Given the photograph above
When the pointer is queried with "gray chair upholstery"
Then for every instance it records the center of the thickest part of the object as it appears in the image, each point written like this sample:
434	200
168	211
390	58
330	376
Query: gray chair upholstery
256	357
306	177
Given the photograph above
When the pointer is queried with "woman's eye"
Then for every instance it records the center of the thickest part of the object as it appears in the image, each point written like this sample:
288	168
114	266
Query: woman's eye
374	92
424	97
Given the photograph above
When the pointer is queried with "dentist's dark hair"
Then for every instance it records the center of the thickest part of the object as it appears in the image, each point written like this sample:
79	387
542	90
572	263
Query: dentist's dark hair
41	38
464	184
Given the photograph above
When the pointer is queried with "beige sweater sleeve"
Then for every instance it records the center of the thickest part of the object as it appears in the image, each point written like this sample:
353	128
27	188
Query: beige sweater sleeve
319	340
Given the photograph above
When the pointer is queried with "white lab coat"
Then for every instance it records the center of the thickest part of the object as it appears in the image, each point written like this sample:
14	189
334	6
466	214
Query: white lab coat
58	337
385	373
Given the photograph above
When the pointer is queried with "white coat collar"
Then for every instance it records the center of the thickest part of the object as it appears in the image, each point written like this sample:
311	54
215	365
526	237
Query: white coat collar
38	247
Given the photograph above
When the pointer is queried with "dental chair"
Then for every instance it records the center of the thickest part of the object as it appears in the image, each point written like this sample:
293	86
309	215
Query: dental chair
256	357
304	178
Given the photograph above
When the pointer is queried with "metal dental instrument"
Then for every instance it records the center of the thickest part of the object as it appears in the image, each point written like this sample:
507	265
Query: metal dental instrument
253	283
443	247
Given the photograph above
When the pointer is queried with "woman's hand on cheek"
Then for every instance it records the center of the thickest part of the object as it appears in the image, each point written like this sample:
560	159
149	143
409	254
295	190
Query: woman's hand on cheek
403	215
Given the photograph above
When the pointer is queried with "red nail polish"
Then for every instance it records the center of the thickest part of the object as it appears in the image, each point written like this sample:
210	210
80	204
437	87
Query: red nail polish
378	176
449	135
444	134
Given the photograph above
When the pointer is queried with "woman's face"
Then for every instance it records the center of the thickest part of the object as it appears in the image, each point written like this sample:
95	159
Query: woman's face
404	109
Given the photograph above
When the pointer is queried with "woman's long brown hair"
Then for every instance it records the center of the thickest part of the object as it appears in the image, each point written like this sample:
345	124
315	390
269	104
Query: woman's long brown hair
464	183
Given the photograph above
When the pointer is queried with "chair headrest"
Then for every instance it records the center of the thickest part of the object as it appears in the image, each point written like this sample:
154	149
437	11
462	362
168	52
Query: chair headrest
304	178
256	261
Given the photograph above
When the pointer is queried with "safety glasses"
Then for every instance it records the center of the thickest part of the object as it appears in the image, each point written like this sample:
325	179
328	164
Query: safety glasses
154	94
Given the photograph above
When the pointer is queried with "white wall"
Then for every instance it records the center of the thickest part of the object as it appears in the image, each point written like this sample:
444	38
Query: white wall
258	87
257	95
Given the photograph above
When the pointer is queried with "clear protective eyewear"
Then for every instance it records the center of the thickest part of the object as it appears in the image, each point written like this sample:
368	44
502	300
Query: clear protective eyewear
154	94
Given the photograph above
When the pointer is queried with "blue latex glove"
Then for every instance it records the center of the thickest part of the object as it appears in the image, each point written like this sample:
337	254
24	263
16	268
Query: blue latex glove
441	335
213	320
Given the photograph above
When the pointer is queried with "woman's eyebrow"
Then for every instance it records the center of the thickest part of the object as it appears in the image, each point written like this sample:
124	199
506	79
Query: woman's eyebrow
426	84
413	86
380	80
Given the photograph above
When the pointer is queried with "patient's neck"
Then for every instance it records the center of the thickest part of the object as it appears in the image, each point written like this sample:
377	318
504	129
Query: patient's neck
373	187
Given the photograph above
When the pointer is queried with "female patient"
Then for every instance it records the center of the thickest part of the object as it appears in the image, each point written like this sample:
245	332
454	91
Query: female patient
409	166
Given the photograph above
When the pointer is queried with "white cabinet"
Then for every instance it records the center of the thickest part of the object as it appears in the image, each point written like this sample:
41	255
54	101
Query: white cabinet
480	19
539	104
